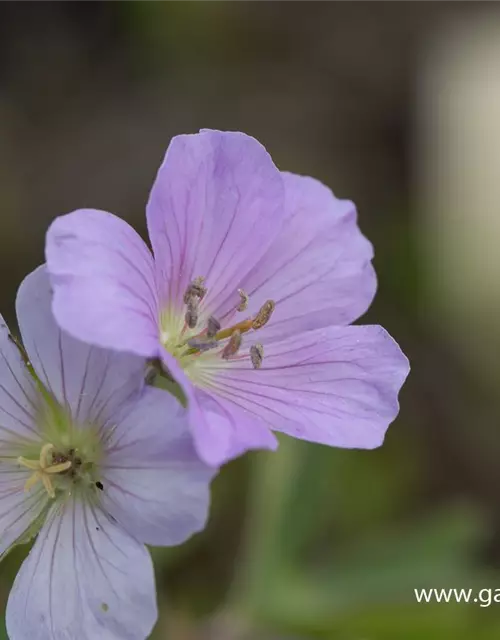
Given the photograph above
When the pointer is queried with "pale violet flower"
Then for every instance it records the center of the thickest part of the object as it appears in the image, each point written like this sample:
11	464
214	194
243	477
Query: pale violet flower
254	277
98	465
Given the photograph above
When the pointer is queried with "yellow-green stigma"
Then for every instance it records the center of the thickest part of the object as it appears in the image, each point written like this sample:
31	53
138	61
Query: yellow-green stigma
44	468
181	335
68	457
63	468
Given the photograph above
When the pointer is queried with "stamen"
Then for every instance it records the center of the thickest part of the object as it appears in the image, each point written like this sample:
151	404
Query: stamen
187	348
244	300
196	289
232	346
44	469
191	316
199	344
242	327
264	314
213	327
256	355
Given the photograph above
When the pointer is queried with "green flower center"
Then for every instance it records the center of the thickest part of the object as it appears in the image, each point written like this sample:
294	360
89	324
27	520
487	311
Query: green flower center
68	457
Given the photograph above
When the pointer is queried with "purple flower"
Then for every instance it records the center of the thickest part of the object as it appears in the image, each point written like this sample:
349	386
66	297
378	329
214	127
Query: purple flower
88	463
254	277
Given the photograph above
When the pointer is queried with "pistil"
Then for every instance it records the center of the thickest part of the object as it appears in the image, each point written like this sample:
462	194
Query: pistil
43	469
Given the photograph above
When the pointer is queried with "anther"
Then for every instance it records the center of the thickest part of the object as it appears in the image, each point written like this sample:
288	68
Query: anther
213	327
191	316
199	344
264	314
195	289
244	300
256	355
232	346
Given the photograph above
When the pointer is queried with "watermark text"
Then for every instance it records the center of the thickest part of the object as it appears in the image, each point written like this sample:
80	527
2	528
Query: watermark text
483	597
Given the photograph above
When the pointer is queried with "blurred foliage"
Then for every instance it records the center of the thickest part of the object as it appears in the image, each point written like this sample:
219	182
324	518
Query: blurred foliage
317	570
171	29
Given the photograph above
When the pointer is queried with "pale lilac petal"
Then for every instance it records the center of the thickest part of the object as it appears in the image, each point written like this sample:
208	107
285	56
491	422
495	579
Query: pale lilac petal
338	386
154	483
222	430
18	396
18	509
104	283
84	579
318	270
216	206
92	382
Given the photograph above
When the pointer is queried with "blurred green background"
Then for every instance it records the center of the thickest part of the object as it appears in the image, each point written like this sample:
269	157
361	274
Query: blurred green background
394	105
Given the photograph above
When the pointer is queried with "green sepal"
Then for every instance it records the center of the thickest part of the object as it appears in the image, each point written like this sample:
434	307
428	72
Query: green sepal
158	378
167	384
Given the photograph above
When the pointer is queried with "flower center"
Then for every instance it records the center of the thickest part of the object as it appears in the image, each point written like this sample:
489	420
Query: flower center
61	470
68	457
183	338
44	468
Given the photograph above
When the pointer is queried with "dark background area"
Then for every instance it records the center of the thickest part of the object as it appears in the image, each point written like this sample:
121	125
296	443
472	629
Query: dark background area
309	542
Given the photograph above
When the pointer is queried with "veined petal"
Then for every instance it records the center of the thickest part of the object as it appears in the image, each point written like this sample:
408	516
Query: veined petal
18	395
19	510
154	483
216	206
337	386
318	270
222	430
93	383
104	283
84	579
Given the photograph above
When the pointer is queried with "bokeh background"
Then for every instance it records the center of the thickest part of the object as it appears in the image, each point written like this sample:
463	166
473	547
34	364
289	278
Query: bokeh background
394	105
